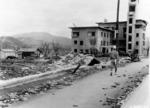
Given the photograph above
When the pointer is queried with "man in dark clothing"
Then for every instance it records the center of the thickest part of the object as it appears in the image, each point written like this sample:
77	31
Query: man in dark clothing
114	57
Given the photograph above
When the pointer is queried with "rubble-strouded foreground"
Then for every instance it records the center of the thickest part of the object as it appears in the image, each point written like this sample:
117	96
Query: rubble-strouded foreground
27	68
68	61
99	90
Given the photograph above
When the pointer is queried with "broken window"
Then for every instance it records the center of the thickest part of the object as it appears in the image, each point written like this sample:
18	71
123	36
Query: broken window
132	8
91	33
130	29
130	38
75	34
87	51
102	34
137	51
129	46
75	50
104	43
130	20
138	26
137	34
124	35
133	0
75	42
81	50
101	43
124	30
81	42
107	35
143	36
143	43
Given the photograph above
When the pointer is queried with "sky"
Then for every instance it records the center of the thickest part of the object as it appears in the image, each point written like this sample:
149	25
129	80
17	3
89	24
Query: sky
56	16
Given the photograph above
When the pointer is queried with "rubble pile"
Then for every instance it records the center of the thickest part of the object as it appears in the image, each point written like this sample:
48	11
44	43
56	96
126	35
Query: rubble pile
26	69
22	95
127	90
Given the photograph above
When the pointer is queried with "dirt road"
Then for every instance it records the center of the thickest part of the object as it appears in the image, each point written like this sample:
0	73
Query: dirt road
88	92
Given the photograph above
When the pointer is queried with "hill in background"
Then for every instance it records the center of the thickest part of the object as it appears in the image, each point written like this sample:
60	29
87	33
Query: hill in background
32	39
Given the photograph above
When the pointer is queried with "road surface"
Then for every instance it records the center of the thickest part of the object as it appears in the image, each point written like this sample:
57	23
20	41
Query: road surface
140	98
86	93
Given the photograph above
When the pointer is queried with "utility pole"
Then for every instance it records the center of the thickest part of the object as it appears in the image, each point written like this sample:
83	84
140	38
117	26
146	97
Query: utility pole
117	25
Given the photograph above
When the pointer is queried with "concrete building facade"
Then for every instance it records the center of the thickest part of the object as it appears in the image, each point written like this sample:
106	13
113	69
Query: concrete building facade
91	39
131	34
128	42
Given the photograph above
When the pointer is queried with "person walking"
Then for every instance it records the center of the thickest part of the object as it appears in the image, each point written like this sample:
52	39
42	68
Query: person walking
114	57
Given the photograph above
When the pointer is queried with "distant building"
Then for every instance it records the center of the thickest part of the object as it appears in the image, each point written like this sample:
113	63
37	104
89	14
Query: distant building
88	39
129	40
4	53
28	53
131	34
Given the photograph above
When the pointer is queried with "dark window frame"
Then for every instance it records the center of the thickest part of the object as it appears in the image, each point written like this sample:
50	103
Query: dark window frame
81	43
130	20
130	29
137	43
75	42
132	8
77	34
92	33
75	50
137	35
130	38
129	46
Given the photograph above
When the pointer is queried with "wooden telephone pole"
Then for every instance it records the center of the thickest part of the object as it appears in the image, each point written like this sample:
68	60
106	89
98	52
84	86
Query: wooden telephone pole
117	25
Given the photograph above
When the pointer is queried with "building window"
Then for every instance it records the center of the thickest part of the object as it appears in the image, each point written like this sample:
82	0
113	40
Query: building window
91	33
138	26
124	35
124	30
75	50
137	43
101	34
137	51
130	29
104	34
130	38
137	34
129	46
107	35
133	0
75	34
104	43
130	20
101	43
132	8
107	43
81	42
143	43
87	51
75	42
81	50
143	36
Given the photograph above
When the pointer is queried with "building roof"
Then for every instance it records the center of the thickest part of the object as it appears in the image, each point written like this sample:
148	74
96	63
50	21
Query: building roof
121	22
8	50
27	50
84	27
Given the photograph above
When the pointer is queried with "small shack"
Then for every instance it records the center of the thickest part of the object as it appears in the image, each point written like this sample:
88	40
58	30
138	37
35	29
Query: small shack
4	53
28	53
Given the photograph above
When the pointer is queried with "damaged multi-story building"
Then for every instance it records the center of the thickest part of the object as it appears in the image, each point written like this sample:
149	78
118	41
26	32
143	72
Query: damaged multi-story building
103	37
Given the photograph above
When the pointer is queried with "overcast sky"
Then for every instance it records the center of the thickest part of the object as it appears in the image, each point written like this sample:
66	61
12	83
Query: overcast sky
55	16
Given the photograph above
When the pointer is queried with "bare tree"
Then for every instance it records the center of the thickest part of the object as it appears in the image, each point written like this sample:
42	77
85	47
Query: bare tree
45	48
56	47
